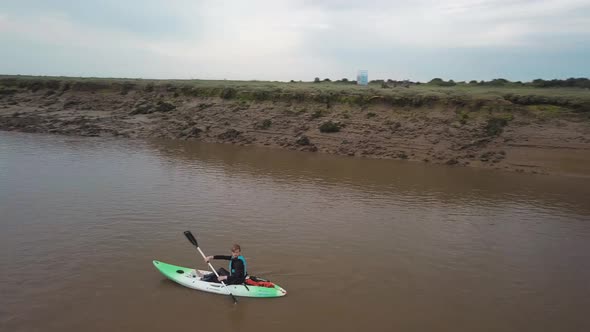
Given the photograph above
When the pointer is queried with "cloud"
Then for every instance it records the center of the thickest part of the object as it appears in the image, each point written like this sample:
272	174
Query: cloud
263	39
57	30
452	24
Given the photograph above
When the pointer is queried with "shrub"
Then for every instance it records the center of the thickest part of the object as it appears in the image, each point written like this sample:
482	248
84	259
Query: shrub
35	86
187	90
163	106
441	82
330	127
265	124
6	92
463	117
90	86
262	95
147	108
229	93
317	114
126	87
303	140
496	125
52	84
498	82
230	134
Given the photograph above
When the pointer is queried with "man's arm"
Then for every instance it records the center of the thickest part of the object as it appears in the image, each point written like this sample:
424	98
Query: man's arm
227	258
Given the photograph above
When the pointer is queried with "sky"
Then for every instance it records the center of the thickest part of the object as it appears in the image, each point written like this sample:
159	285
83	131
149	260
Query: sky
297	40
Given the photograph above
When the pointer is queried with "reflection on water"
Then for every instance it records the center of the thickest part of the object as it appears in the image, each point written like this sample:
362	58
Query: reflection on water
392	177
356	242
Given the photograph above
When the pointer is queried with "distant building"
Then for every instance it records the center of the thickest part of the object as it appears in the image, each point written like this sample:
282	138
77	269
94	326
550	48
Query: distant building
362	78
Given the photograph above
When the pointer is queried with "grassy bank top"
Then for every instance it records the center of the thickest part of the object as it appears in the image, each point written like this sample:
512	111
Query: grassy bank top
393	93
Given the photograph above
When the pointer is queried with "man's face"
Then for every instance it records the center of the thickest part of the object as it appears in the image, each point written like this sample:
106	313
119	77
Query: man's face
235	253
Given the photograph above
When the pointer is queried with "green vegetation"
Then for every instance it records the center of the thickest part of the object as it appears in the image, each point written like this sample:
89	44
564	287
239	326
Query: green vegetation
303	140
547	112
265	124
441	82
495	125
330	127
463	117
497	95
125	87
317	114
538	83
229	93
7	92
148	108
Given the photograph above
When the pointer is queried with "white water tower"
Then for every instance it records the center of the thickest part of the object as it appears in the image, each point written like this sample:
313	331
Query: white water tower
362	77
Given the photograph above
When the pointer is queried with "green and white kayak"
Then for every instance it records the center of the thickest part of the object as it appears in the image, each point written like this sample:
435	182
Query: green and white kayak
190	278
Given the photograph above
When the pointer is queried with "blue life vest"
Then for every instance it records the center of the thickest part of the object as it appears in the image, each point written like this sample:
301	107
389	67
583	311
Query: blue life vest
231	269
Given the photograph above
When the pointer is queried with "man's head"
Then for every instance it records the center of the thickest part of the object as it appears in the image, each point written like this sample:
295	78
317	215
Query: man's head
236	250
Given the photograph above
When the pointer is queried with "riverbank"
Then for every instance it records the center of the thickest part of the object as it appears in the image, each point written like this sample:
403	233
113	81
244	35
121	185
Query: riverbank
533	130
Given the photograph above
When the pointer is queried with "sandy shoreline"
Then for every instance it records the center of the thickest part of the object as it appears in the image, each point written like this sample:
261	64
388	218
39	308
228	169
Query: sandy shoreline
526	139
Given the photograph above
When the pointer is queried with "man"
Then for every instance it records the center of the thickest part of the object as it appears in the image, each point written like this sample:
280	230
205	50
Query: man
237	268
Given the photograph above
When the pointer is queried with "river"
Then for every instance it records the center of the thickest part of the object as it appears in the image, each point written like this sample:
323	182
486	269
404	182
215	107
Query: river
357	243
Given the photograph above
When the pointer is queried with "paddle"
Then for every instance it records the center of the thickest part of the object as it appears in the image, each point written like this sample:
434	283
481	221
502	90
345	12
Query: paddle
192	240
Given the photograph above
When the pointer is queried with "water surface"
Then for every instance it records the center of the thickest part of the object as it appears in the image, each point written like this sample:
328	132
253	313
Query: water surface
357	243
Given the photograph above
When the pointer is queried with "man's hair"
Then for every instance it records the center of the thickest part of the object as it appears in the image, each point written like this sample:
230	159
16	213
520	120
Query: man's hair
236	247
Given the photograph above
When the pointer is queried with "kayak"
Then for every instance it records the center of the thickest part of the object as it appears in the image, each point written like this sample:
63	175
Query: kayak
190	278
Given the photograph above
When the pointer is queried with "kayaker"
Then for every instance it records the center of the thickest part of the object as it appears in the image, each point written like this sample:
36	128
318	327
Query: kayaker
237	267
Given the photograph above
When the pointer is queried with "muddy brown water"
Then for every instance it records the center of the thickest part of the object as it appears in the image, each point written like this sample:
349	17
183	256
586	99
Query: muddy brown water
358	244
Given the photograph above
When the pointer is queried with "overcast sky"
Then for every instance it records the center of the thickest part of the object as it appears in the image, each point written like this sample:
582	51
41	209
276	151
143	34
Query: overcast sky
284	40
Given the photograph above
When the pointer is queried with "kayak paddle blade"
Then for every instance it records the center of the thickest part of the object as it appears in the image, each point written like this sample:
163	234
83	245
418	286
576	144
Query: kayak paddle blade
191	238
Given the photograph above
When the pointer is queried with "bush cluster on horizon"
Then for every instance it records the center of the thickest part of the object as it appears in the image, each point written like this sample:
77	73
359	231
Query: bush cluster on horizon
497	82
538	83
